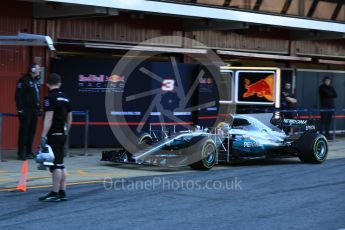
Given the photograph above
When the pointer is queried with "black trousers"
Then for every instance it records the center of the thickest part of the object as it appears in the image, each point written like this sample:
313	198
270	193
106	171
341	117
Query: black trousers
325	123
57	143
27	130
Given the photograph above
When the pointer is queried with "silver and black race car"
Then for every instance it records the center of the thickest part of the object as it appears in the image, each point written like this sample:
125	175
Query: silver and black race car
242	137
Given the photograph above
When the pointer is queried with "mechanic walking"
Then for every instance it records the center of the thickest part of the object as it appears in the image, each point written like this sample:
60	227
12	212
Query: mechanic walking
56	125
327	94
28	107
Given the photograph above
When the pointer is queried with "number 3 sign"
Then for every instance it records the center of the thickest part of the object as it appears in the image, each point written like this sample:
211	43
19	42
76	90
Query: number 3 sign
168	85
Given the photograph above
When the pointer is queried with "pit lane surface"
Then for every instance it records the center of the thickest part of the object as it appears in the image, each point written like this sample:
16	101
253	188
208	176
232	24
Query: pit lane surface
281	194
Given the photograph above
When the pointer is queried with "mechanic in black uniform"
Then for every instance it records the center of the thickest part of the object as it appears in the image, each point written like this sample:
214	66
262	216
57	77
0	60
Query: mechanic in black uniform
327	94
56	125
28	107
288	102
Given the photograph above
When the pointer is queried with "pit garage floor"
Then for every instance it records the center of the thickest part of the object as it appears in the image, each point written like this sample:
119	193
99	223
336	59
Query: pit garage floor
89	169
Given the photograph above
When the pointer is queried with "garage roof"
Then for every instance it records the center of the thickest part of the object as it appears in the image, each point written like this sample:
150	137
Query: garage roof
198	11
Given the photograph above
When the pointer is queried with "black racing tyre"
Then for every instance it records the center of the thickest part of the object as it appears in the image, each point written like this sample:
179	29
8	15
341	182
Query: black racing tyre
145	139
208	154
312	148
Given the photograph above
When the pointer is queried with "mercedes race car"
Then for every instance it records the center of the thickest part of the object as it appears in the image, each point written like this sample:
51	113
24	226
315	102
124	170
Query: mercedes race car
242	137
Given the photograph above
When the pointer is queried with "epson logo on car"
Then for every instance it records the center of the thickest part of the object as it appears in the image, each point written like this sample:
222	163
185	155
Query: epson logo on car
295	122
248	144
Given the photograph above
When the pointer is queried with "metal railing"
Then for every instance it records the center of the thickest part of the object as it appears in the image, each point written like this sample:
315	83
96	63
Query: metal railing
86	132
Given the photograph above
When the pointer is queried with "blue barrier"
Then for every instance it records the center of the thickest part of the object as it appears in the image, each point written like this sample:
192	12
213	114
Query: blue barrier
251	110
311	110
8	115
81	113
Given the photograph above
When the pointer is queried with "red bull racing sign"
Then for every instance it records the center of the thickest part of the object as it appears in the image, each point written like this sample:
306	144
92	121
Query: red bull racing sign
255	87
100	83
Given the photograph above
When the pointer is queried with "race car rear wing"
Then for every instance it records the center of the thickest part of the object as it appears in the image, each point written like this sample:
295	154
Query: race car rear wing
306	124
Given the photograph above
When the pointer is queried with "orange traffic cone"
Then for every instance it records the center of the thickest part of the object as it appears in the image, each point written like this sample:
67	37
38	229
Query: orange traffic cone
23	177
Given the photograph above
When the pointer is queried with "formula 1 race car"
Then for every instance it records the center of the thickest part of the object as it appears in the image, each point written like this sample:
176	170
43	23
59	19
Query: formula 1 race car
242	137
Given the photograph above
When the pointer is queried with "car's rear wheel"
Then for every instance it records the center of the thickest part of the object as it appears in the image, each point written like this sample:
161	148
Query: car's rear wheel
207	155
312	148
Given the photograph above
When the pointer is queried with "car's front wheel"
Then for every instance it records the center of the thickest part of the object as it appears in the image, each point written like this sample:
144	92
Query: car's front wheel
312	148
144	139
208	156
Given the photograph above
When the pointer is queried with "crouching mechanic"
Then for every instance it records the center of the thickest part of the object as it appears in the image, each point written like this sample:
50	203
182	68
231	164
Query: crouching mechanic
57	122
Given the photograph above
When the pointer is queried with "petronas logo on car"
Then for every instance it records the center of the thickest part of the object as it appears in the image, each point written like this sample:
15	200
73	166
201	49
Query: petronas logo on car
295	122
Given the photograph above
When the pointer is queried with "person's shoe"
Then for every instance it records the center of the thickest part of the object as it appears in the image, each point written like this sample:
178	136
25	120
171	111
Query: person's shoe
50	197
30	156
62	196
21	158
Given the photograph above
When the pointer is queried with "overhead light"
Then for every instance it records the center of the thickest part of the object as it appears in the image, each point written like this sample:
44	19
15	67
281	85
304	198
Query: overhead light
332	62
267	56
146	48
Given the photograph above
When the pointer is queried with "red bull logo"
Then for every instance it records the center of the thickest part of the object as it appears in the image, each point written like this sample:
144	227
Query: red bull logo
100	78
116	78
262	88
207	80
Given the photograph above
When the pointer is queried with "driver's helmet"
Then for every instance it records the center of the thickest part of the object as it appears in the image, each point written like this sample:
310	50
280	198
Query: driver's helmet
45	155
223	128
229	119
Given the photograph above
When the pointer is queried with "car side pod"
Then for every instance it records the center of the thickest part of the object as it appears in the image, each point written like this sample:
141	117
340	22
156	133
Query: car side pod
312	148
